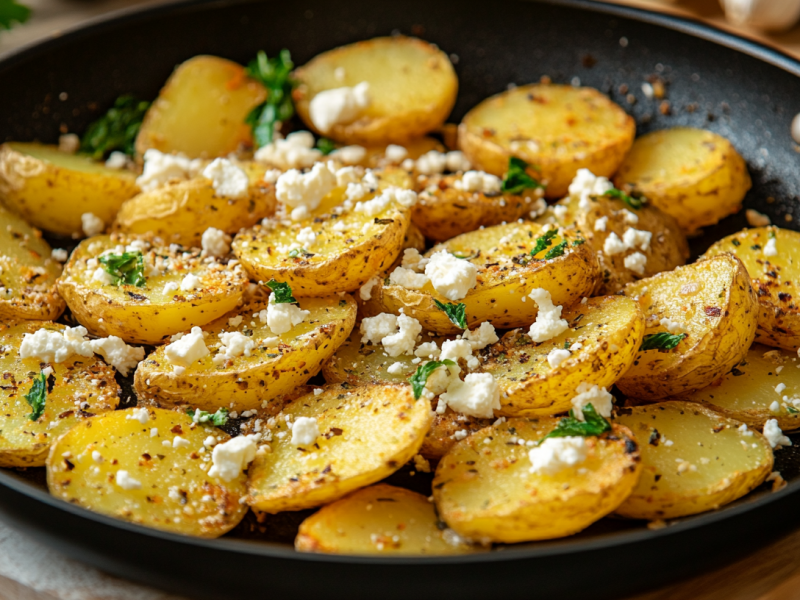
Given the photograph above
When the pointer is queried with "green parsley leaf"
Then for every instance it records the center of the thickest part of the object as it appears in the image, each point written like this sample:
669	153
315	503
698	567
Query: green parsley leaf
544	241
12	13
578	242
37	396
556	251
633	200
661	341
126	268
275	75
792	410
467	255
457	313
593	425
296	252
282	292
218	419
115	130
517	179
326	146
420	376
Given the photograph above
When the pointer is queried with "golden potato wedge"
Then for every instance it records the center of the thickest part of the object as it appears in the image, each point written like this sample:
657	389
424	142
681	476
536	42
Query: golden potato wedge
609	331
692	174
349	247
693	460
157	309
276	365
445	209
776	279
379	520
506	275
114	464
709	302
557	129
748	391
51	189
180	211
485	491
366	434
27	272
412	89
78	388
667	247
201	110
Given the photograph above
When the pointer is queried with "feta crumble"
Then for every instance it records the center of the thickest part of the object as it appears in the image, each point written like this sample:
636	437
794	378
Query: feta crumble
69	143
405	339
555	454
118	354
673	327
140	414
477	396
91	224
295	152
481	337
339	106
188	349
160	168
408	278
365	292
190	282
549	323
215	242
305	190
381	202
478	181
556	356
55	346
395	368
59	255
769	248
117	160
282	317
600	224
305	431
636	262
228	180
395	154
450	276
774	435
234	344
169	287
613	245
232	457
126	482
586	184
597	396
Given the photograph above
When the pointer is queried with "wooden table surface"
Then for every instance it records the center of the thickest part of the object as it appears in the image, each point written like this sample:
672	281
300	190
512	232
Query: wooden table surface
31	571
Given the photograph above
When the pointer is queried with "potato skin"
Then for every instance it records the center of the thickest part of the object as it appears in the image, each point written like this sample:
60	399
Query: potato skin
714	301
412	84
557	128
28	274
173	481
692	174
201	110
776	280
669	487
485	492
52	189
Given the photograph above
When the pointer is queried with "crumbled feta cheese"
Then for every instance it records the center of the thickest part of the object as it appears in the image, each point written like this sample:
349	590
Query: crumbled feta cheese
460	434
395	154
450	276
780	387
412	259
232	457
69	143
381	202
560	211
140	414
477	396
154	432
91	224
555	454
55	346
59	255
169	287
126	482
600	224
613	245
229	180
160	168
305	190
427	350
597	396
770	249
405	339
636	262
774	435
234	344
673	327
745	431
190	282
283	316
455	349
482	336
179	442
548	322
775	407
306	237
631	218
103	276
636	238
295	152
117	160
366	290
408	279
305	431
556	356
97	457
395	368
339	106
317	391
431	163
188	349
478	181
457	161
118	354
439	380
349	155
585	185
215	242
374	329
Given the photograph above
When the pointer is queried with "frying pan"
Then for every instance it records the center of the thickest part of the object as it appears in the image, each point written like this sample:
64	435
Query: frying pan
738	88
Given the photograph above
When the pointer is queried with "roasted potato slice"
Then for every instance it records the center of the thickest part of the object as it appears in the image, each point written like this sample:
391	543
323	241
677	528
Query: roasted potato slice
556	128
608	331
506	275
180	211
201	110
769	254
693	459
365	434
484	488
412	89
277	364
666	248
349	247
157	309
692	174
27	272
52	189
380	520
713	306
78	388
124	466
447	208
749	392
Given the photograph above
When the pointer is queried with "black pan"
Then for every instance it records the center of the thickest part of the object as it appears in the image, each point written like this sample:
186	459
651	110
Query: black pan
738	88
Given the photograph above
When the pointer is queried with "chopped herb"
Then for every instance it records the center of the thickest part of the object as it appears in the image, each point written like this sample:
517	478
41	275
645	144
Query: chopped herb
420	376
771	234
633	200
594	425
566	344
37	396
792	410
275	75
11	13
126	268
736	242
116	130
281	292
661	341
544	241
295	252
556	251
467	255
517	179
457	313
578	242
218	419
326	146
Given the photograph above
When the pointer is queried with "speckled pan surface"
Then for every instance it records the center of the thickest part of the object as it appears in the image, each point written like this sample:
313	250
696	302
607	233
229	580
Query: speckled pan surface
737	88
